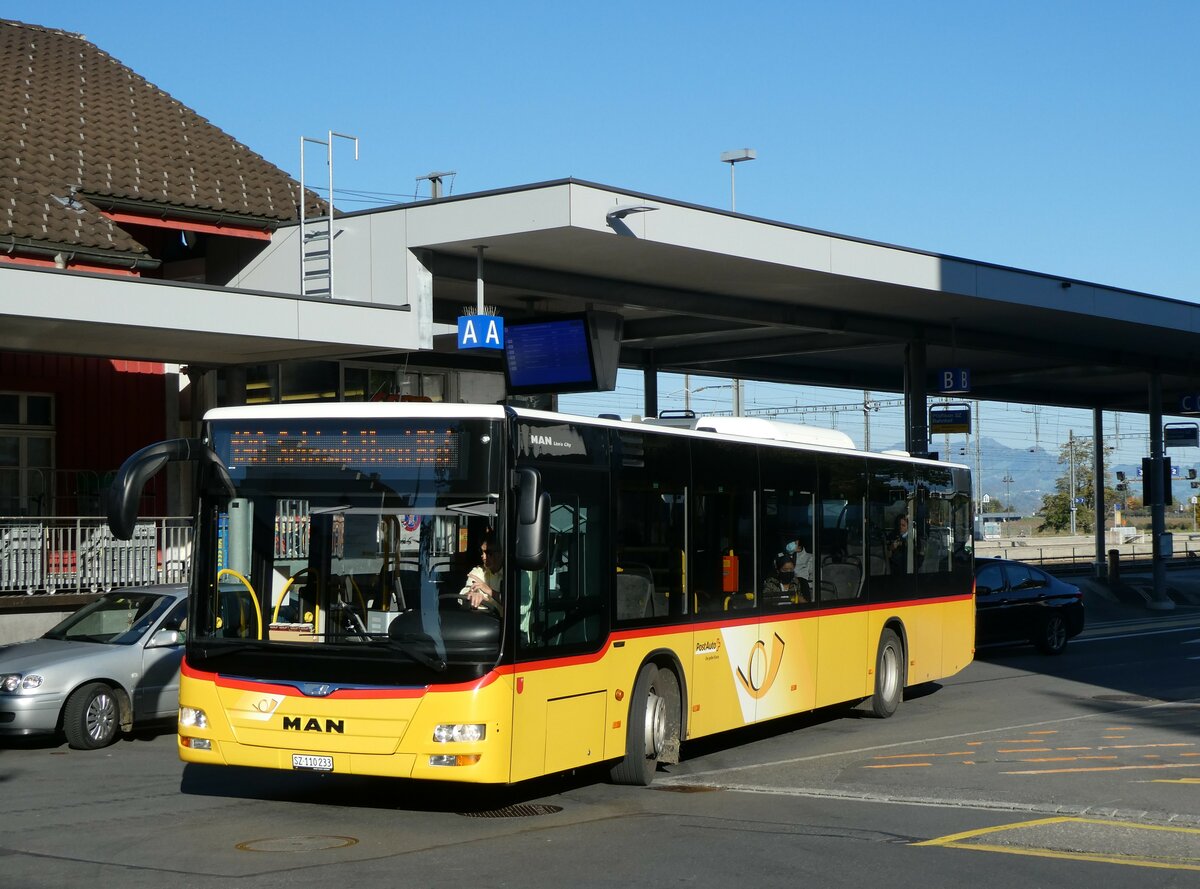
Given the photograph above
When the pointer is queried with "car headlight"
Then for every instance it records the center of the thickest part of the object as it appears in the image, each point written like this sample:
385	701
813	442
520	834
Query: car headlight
459	732
15	682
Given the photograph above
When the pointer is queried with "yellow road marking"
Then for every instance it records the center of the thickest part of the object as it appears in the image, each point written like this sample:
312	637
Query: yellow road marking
1165	765
957	841
901	765
1024	750
1064	758
923	755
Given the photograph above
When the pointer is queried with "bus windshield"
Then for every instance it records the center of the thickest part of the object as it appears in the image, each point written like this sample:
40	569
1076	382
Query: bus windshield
350	539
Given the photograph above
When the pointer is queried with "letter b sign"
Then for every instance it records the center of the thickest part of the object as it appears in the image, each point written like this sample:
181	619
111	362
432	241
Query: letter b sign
954	380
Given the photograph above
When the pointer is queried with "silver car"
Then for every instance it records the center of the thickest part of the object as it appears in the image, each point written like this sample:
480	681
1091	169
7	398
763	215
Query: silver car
109	666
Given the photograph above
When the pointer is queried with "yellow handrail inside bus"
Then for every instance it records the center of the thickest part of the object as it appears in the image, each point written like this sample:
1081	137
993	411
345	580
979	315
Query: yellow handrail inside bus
253	598
361	601
283	595
390	528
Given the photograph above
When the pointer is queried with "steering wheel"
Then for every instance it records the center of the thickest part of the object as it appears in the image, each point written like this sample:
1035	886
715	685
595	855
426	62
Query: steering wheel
463	602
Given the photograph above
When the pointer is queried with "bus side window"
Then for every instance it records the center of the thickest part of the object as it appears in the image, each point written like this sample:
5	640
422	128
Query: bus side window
722	567
651	495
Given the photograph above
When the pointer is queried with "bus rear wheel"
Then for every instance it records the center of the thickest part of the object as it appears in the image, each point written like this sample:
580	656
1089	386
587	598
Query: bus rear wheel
889	675
652	731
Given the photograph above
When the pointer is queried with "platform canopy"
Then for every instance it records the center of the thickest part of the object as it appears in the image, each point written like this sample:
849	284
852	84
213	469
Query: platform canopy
710	292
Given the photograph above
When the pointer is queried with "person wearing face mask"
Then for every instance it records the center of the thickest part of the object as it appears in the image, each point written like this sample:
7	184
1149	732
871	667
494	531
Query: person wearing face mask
783	588
802	559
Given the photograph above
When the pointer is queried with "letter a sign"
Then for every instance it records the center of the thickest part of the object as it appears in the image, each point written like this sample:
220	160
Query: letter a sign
480	332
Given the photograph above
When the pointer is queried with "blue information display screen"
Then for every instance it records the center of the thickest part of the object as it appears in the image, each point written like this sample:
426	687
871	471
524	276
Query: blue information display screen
549	356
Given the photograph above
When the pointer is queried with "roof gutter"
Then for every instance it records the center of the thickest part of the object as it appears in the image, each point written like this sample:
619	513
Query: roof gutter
174	211
76	253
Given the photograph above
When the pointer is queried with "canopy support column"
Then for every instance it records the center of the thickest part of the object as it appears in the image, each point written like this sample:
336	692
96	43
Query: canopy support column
916	426
1159	600
1099	566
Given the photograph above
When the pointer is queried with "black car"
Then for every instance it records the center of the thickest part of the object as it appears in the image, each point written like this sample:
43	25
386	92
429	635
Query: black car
1015	602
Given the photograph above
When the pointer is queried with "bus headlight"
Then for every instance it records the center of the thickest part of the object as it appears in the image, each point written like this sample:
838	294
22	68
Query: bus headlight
193	717
446	733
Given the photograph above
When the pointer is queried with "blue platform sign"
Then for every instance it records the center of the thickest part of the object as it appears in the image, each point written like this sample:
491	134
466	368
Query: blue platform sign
949	418
480	332
954	380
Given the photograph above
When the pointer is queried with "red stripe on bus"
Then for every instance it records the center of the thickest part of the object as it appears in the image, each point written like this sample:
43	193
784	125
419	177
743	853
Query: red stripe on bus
572	660
341	693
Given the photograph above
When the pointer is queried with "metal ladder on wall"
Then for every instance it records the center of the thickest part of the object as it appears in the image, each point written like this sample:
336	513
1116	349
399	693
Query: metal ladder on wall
316	233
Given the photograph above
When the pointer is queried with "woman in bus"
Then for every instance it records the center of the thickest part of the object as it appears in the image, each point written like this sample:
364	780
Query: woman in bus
783	588
484	580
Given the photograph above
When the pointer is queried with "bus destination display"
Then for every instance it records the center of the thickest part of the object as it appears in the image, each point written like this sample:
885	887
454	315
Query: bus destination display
292	448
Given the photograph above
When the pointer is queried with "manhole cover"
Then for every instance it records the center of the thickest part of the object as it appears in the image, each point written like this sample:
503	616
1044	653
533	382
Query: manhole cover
524	810
687	788
297	844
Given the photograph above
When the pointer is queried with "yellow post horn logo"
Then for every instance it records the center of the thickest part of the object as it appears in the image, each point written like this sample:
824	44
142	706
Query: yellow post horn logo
756	686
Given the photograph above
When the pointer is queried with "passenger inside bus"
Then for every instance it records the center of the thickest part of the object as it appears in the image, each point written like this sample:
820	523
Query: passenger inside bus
485	579
783	587
801	558
898	546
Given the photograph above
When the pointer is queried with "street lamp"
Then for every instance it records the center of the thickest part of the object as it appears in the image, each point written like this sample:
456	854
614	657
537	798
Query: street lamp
732	158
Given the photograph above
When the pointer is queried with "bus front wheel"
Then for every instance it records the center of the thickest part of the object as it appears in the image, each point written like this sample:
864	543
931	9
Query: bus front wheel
889	675
653	727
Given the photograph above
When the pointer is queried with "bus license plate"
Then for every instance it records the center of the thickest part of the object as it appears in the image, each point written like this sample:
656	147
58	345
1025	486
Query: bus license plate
312	763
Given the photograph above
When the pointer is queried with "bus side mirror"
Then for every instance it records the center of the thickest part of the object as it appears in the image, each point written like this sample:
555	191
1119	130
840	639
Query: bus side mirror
533	521
138	469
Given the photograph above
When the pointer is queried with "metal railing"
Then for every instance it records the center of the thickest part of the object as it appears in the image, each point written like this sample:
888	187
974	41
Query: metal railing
79	554
1050	553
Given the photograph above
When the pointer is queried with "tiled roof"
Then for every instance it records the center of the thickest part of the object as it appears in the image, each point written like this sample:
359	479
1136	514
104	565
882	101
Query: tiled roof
79	130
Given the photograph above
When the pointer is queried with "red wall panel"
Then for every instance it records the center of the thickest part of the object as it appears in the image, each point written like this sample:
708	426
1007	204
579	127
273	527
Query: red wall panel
103	410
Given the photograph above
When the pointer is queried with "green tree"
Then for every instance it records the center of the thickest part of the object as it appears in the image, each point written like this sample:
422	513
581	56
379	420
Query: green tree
1055	511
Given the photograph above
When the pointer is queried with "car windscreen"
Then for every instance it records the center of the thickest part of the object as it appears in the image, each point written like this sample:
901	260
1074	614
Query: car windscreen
120	618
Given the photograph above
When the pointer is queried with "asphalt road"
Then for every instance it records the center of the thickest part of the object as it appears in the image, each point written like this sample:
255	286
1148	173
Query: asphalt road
1022	771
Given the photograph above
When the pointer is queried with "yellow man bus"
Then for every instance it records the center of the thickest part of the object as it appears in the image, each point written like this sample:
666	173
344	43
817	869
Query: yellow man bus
626	603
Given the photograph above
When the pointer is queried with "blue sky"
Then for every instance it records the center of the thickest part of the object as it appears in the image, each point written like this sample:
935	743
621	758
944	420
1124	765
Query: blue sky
1059	137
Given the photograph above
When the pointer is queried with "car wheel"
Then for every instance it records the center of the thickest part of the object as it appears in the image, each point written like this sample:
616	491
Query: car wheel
91	717
1052	635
